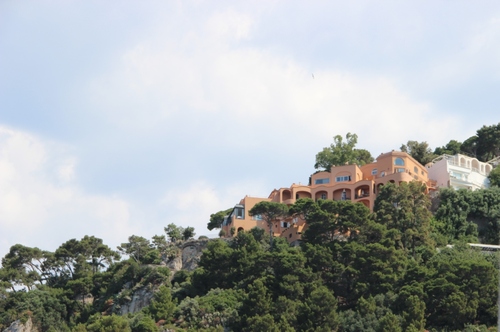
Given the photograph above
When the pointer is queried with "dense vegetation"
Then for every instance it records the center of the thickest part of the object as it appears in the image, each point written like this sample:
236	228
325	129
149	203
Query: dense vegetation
356	270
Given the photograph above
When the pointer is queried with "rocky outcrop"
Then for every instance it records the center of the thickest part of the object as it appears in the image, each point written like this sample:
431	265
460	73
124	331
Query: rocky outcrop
140	298
189	256
18	326
133	298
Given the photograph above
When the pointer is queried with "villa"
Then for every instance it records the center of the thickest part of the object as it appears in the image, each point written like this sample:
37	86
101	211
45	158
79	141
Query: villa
344	182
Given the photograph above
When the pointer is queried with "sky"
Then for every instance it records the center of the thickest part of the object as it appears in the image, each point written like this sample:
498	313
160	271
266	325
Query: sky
118	118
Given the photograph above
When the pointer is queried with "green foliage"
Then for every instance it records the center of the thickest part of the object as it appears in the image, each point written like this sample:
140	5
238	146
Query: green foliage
174	232
340	153
139	249
112	323
216	219
453	216
162	306
270	212
47	307
216	309
330	220
420	151
485	145
143	323
405	209
451	148
188	233
494	177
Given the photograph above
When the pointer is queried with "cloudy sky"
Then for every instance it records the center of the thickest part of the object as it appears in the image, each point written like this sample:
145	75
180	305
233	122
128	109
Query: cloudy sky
120	117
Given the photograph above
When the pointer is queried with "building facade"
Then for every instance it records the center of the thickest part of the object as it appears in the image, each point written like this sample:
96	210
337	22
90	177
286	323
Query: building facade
344	182
459	172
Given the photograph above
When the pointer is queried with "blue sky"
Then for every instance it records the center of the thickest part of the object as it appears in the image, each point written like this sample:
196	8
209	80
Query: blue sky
120	117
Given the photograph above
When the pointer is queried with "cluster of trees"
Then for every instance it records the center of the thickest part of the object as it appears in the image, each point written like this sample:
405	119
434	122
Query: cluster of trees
355	270
53	288
484	145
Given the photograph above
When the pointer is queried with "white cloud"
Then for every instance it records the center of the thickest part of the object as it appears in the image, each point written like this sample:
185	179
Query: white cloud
41	203
193	204
256	94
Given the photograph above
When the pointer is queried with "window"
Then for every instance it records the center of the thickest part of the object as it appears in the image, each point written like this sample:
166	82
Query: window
257	217
239	213
400	170
382	174
323	196
399	162
284	224
374	171
415	169
343	178
322	181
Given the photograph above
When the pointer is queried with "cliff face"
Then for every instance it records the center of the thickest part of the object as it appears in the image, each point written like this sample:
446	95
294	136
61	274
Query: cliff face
187	258
18	326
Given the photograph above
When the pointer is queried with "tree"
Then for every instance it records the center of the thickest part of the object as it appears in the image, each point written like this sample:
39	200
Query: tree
453	213
488	142
174	232
485	145
494	177
138	248
97	253
451	148
420	151
330	220
216	219
340	153
23	265
112	323
188	233
405	208
318	311
162	306
270	213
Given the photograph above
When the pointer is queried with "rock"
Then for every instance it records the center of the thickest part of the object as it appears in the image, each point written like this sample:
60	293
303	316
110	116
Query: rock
190	253
140	299
18	326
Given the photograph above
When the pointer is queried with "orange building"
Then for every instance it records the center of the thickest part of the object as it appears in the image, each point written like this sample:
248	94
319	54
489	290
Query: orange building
345	182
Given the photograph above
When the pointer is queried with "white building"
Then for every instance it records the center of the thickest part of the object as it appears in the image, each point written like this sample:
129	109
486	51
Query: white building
459	172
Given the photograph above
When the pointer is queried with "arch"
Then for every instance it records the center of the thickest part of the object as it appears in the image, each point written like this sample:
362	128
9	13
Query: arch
342	194
321	195
399	161
487	169
302	194
240	229
362	191
462	162
365	202
380	185
286	194
475	164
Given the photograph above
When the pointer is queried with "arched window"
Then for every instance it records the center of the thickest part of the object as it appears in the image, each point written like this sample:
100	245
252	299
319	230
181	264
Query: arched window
415	169
399	162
